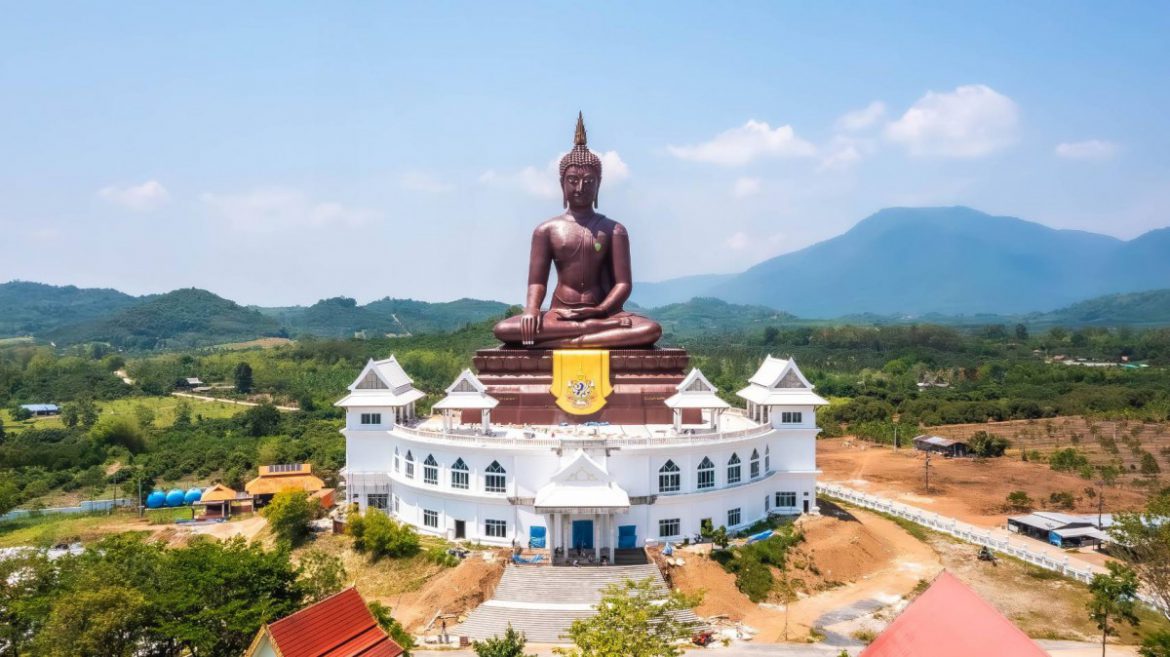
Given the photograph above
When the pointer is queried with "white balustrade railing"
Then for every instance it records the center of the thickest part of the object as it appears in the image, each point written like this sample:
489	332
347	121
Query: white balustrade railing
553	438
970	534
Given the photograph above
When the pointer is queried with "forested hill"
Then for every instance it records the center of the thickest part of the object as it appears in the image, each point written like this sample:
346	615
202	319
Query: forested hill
1151	308
194	317
183	318
32	308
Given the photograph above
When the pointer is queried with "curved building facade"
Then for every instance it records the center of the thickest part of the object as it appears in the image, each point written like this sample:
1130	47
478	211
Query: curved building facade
582	487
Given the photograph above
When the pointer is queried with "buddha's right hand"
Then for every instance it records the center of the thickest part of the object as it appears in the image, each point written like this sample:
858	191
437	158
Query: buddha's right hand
529	327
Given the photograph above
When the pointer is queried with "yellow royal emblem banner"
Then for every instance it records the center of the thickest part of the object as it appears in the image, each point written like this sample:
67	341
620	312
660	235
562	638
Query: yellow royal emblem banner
581	380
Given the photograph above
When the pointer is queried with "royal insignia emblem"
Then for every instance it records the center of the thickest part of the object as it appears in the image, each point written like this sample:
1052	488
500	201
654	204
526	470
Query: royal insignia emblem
581	380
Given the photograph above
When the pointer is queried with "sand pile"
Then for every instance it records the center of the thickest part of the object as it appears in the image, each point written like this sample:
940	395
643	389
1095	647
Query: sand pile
837	549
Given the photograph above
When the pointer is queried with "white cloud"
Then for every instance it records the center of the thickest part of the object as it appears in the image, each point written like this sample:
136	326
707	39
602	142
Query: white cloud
418	181
752	140
545	183
276	208
863	118
745	187
739	241
842	153
139	198
1092	149
971	121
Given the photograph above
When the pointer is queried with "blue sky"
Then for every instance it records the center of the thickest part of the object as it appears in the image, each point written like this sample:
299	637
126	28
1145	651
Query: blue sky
278	153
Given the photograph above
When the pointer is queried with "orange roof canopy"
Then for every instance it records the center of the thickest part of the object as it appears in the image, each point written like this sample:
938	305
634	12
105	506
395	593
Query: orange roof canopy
275	478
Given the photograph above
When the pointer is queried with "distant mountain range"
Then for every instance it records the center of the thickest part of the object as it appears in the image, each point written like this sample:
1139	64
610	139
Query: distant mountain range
942	265
954	261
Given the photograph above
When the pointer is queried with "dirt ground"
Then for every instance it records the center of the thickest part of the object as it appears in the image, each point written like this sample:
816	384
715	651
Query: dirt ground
971	490
848	559
455	591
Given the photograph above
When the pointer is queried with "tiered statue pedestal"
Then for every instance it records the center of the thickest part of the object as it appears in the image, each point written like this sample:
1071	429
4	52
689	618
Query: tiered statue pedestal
642	379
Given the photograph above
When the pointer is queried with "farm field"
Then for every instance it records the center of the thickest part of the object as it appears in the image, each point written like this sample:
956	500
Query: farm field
1105	442
163	408
970	490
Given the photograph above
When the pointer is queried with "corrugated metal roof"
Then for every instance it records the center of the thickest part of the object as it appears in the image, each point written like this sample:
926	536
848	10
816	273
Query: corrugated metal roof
40	408
338	626
950	620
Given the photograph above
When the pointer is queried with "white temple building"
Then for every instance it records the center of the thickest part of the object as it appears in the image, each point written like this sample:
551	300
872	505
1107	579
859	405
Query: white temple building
588	488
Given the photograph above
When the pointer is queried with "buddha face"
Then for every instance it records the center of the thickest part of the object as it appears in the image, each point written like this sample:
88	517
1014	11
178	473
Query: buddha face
579	186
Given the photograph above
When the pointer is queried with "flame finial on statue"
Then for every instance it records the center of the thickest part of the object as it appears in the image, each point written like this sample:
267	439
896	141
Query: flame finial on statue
579	138
580	155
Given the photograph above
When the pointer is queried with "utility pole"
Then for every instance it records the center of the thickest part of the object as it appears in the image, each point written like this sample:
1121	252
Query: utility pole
895	437
926	471
139	505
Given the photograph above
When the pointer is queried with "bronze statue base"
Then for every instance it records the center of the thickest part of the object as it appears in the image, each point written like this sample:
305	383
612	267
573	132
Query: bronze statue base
642	379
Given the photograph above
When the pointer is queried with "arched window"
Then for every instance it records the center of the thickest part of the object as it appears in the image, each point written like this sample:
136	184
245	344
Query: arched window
397	461
706	474
733	469
459	475
495	481
409	465
669	478
431	470
767	458
755	464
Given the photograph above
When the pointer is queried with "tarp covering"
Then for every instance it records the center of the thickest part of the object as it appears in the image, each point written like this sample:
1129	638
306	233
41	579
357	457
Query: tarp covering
762	536
536	536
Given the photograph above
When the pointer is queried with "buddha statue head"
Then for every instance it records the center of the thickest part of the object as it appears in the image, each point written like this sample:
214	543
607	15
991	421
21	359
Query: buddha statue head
580	170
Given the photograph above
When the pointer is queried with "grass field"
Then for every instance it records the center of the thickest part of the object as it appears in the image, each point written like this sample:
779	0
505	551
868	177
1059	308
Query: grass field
51	529
163	407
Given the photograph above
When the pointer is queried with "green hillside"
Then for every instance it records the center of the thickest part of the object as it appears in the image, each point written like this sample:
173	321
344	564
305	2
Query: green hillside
1151	308
32	308
183	318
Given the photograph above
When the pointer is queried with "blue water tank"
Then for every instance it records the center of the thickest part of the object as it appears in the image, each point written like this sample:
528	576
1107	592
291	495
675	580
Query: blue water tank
175	497
192	496
156	499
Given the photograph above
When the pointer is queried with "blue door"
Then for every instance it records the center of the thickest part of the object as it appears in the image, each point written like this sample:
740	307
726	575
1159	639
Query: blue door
583	534
627	536
536	536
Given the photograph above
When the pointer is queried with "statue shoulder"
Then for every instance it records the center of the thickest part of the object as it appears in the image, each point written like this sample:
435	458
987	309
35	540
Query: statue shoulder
614	227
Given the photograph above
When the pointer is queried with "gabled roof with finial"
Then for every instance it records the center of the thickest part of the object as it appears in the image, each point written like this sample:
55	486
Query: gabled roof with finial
779	382
381	383
467	392
696	391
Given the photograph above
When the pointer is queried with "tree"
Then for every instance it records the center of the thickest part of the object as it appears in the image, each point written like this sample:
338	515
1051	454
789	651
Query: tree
510	645
322	575
87	412
392	627
1156	644
1018	500
1113	600
634	619
262	420
1021	332
378	535
70	415
1149	464
1144	539
9	496
243	376
289	515
119	430
20	414
182	415
145	416
986	445
102	622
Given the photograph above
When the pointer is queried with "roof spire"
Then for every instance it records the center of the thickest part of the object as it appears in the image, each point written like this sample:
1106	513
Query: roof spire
579	137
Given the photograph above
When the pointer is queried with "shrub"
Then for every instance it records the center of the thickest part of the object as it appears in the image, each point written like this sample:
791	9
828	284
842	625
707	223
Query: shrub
378	535
1018	500
985	445
1062	500
1068	459
289	515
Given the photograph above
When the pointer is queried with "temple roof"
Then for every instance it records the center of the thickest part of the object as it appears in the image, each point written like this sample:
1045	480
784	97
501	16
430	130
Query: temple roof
951	620
381	383
696	391
780	382
467	392
581	483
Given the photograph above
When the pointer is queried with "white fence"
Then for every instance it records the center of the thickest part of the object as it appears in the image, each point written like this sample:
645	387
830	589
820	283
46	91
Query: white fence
971	534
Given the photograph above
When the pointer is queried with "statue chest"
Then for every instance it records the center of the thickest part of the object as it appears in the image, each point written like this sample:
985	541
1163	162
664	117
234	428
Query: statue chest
577	245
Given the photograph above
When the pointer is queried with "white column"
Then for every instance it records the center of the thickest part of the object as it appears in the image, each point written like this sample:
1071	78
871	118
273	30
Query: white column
554	532
613	538
597	537
677	420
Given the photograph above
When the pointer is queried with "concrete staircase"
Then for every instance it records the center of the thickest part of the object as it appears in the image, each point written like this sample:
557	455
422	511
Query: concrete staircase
543	601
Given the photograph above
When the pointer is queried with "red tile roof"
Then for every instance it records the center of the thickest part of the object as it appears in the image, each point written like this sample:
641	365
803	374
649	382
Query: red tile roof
951	620
338	626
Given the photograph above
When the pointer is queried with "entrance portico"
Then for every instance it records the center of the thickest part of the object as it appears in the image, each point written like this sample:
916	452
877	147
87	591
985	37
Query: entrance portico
580	503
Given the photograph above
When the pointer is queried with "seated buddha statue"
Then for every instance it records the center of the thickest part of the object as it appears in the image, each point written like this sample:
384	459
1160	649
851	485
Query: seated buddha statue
592	256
